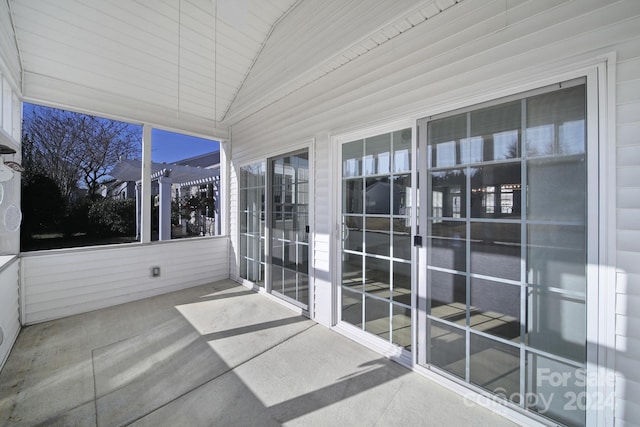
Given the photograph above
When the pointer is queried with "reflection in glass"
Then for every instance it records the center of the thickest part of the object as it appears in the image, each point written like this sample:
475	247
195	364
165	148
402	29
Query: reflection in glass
447	296
557	325
526	169
447	245
557	189
352	307
495	366
378	195
376	212
376	315
352	271
352	195
556	122
401	239
448	193
495	249
495	308
496	191
402	283
401	326
290	226
447	347
401	194
556	255
352	233
377	236
352	153
377	155
402	151
553	396
444	137
252	212
498	129
377	277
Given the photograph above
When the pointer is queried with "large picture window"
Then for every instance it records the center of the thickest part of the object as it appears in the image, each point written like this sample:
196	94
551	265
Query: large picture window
506	248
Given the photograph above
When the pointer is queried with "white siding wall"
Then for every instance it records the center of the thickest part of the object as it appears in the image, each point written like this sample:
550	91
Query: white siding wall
9	59
59	284
475	49
10	123
628	235
9	316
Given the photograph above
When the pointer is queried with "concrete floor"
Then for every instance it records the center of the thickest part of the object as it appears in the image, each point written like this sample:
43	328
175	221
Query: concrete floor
213	355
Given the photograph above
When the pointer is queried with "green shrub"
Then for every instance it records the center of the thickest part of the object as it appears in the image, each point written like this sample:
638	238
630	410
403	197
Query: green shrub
112	217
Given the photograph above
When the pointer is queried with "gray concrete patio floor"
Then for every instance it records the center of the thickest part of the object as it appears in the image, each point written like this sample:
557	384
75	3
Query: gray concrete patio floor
214	355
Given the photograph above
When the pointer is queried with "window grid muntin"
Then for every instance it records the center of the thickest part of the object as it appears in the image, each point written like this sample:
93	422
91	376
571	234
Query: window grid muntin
251	263
524	160
362	176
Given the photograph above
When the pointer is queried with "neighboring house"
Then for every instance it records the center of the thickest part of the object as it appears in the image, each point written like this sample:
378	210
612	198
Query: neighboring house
186	193
518	287
115	189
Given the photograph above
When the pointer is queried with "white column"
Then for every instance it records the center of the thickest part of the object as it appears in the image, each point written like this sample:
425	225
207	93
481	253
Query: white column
224	190
138	209
165	207
145	217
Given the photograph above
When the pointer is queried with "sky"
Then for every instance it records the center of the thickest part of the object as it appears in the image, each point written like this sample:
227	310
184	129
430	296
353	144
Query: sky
170	147
166	146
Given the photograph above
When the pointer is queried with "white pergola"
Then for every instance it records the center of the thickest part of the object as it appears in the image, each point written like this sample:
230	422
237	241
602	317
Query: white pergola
167	175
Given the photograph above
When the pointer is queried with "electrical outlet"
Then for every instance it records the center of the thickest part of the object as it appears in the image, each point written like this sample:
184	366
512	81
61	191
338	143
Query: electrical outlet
155	271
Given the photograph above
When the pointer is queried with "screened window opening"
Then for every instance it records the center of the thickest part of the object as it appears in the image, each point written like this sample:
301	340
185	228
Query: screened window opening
185	186
71	194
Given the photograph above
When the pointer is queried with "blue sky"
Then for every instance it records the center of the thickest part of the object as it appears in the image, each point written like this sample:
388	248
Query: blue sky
167	146
170	147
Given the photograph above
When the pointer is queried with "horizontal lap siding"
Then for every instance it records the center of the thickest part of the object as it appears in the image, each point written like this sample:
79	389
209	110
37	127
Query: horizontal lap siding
9	64
472	49
9	308
104	277
628	236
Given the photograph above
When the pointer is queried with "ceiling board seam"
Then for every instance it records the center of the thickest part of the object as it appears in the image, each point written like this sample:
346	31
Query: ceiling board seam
308	77
257	55
15	40
84	110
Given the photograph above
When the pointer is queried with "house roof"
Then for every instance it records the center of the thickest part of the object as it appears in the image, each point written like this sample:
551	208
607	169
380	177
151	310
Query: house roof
129	170
196	66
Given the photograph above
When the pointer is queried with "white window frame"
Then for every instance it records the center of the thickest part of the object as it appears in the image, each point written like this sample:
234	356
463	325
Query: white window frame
369	340
601	295
306	144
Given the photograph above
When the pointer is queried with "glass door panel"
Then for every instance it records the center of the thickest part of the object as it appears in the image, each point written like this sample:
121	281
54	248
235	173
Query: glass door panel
505	276
376	236
252	226
290	227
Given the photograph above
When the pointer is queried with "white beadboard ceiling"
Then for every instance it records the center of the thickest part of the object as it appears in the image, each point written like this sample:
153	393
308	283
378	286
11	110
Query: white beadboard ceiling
195	65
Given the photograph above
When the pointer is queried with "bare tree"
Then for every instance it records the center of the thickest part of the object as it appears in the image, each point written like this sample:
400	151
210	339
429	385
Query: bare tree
76	149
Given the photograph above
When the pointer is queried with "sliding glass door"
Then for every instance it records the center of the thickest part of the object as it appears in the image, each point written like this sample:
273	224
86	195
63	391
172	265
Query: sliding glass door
289	227
252	222
506	227
376	248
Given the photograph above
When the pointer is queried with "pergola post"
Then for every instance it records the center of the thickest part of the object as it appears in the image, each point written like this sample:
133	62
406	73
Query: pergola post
165	207
138	208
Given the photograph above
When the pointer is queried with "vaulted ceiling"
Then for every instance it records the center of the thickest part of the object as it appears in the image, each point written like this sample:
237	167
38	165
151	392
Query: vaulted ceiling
195	65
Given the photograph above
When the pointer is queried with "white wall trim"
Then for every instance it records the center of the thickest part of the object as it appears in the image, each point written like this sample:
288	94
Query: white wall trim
607	238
